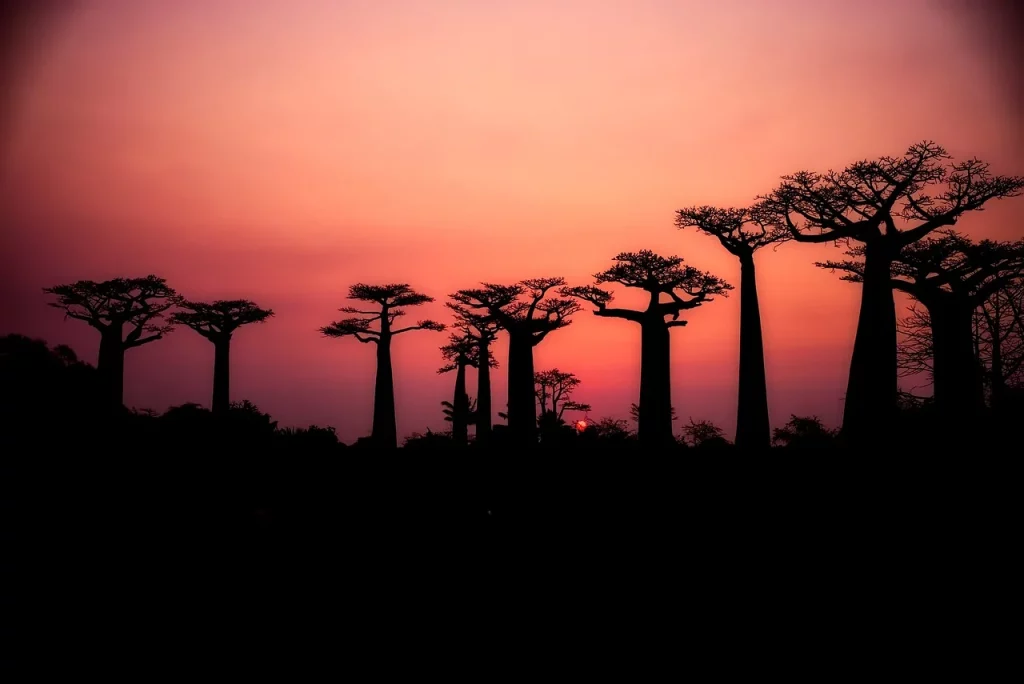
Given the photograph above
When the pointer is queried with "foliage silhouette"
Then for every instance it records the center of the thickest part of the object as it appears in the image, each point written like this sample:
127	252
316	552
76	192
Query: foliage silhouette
951	276
658	276
557	387
528	315
482	328
741	234
804	433
109	306
885	204
217	321
390	298
704	434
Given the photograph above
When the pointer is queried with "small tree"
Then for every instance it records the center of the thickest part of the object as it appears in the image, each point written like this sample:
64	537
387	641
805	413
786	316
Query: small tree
217	321
462	351
659	276
885	205
390	298
741	234
704	433
110	306
557	387
528	315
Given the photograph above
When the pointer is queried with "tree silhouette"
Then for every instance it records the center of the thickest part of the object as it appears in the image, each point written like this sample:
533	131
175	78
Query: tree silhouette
656	275
462	351
742	235
999	324
483	328
109	306
884	204
557	387
528	315
390	298
217	321
951	276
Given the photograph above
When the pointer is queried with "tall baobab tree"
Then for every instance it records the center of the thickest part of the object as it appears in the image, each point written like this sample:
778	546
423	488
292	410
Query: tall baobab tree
217	321
528	314
951	276
741	234
110	306
484	329
461	352
391	299
557	387
687	288
885	205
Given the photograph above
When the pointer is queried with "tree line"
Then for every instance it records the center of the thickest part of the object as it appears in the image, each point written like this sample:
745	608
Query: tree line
893	215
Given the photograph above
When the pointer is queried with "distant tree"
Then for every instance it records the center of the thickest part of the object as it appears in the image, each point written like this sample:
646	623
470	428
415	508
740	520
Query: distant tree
885	205
951	276
609	430
742	234
390	298
109	306
217	321
462	351
704	433
804	432
483	328
557	387
528	315
687	288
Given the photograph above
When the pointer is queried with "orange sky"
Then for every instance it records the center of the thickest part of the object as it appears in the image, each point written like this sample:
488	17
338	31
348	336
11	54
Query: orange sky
282	151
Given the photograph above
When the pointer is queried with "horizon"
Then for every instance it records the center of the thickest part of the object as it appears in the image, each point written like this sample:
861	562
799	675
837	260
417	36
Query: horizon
250	150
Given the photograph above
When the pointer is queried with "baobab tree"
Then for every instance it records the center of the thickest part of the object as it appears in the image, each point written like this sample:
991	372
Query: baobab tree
461	352
659	276
217	321
557	387
391	299
884	205
528	315
951	276
742	234
110	306
483	328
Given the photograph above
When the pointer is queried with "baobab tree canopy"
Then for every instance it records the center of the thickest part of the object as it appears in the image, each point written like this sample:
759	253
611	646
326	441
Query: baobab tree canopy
390	298
740	230
221	317
900	198
139	302
948	262
686	286
524	306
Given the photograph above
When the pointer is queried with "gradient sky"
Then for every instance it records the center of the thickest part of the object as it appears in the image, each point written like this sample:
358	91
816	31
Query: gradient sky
281	151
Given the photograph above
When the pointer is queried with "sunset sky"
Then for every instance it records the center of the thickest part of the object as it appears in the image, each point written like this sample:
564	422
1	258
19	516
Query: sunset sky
281	151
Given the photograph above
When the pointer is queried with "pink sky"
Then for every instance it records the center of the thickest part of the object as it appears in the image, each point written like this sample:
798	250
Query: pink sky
283	151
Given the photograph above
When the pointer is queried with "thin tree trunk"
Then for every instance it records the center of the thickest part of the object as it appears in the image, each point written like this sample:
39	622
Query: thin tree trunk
385	431
221	376
753	430
110	367
483	395
872	390
654	419
996	372
522	402
460	407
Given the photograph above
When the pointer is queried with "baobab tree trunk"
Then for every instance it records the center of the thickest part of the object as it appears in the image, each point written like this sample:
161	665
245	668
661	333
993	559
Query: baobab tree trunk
483	395
522	403
385	431
957	380
872	391
996	371
221	376
110	367
460	407
752	427
654	418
